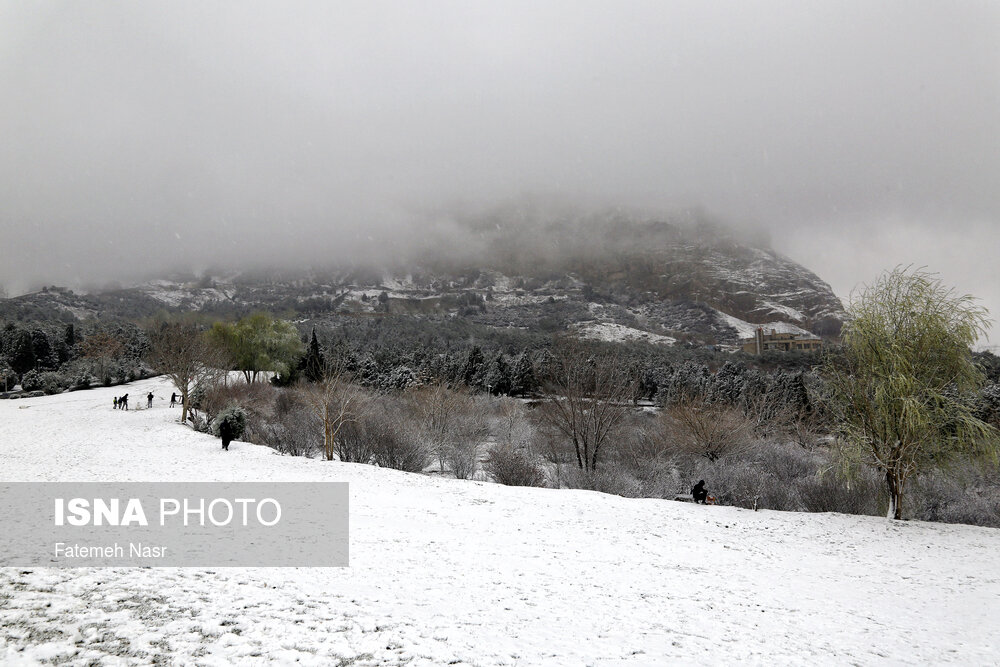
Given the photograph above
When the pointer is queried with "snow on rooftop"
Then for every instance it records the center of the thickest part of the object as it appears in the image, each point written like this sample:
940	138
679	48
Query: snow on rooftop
472	573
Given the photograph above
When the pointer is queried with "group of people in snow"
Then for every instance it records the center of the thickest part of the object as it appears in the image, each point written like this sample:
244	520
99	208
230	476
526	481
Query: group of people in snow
121	402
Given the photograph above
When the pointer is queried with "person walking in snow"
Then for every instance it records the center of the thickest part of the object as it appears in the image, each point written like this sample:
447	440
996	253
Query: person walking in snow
123	402
116	402
699	492
149	400
173	399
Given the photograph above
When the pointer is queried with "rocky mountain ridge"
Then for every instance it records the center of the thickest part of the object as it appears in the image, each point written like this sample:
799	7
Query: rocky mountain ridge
628	280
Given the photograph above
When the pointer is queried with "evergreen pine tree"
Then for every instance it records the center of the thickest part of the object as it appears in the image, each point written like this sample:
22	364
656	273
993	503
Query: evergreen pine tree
69	338
315	363
523	379
473	362
19	349
494	376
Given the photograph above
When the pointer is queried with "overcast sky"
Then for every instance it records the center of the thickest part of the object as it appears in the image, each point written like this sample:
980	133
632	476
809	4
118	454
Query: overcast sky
142	135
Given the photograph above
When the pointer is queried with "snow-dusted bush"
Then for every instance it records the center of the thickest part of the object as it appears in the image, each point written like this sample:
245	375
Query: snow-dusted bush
8	378
962	495
233	418
199	423
466	433
31	381
395	445
230	424
711	430
609	478
749	485
196	397
514	466
463	458
276	418
81	379
826	492
293	433
256	399
54	383
355	442
657	478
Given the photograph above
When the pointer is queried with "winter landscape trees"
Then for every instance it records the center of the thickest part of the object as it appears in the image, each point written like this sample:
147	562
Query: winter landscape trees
904	386
182	352
523	408
589	396
258	343
335	402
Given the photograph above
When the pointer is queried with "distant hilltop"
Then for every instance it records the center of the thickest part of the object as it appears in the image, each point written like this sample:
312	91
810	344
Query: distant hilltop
610	277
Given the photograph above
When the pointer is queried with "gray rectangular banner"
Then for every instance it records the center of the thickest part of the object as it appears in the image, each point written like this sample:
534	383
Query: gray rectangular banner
168	524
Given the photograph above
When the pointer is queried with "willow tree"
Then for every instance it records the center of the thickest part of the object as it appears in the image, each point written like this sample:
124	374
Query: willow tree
258	343
902	389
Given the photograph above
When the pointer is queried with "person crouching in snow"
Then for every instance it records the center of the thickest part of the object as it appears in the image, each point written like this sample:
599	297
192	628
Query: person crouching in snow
699	492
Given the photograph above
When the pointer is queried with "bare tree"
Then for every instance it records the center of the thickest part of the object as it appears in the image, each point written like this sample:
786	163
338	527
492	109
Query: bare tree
335	402
513	427
711	430
452	425
588	398
181	352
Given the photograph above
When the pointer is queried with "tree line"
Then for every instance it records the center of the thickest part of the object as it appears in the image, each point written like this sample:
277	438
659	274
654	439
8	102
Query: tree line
903	396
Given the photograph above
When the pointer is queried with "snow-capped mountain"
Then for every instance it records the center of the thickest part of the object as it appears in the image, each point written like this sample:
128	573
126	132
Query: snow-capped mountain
608	278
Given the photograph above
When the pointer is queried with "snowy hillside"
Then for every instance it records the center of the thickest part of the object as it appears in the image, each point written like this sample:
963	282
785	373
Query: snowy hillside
468	573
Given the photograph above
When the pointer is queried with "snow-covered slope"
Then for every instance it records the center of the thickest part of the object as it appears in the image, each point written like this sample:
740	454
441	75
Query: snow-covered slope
467	573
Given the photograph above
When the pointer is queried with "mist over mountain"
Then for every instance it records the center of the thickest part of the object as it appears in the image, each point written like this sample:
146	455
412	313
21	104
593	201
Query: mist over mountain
615	274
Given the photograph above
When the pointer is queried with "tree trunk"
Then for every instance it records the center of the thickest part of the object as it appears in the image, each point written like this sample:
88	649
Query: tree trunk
894	485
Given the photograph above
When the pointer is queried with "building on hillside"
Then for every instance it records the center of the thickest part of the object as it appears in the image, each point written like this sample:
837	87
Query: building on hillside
784	341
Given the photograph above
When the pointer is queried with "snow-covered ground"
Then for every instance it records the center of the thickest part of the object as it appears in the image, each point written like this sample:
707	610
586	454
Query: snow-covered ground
468	573
619	333
787	311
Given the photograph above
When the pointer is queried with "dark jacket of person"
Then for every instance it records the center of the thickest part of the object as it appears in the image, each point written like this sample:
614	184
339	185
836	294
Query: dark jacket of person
226	433
699	492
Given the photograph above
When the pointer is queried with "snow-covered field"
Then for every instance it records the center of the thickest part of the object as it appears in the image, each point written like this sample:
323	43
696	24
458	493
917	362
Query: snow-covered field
466	573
